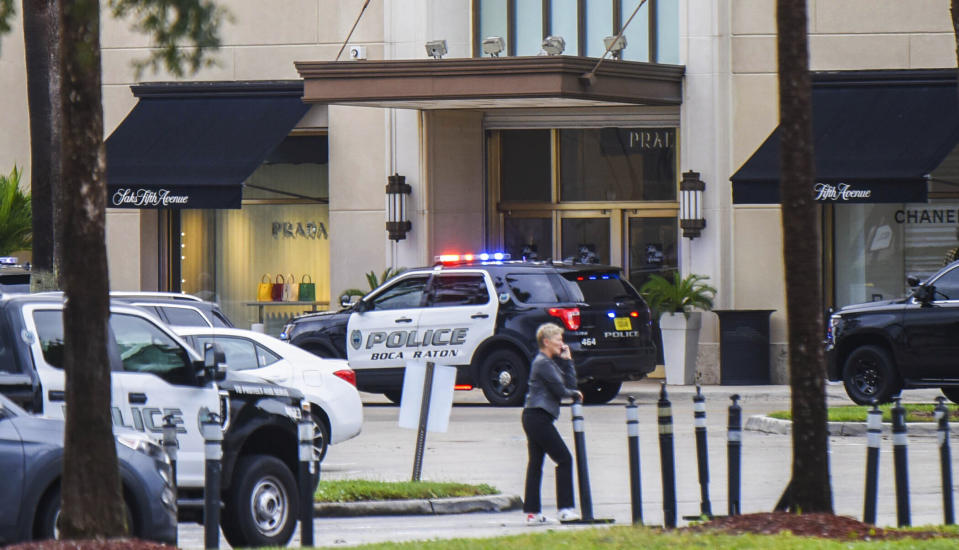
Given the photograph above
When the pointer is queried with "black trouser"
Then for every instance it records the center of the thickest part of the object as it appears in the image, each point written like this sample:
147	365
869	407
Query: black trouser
542	439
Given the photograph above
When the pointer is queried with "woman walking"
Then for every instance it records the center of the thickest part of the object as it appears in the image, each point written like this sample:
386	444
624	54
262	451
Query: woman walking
551	378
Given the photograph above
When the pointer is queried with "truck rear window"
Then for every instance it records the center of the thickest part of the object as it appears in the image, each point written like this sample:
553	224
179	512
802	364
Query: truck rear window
532	288
600	287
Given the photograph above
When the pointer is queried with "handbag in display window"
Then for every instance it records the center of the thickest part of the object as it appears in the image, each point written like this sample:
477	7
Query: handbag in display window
290	289
276	292
264	289
307	290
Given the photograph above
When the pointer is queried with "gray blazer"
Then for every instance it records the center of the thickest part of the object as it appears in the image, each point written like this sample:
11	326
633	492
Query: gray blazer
549	381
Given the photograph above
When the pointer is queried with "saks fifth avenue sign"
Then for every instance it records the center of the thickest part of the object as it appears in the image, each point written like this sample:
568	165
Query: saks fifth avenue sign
840	192
145	198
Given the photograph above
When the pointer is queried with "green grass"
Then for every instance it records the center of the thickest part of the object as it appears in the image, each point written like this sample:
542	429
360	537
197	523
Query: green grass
358	490
915	412
655	539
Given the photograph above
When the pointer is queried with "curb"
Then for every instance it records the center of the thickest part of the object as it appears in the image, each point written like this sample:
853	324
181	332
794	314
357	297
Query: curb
434	506
765	424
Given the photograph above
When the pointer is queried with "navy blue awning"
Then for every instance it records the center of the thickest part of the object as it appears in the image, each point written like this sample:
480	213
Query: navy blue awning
192	145
877	136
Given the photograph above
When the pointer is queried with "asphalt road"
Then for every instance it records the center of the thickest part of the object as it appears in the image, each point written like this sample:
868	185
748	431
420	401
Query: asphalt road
486	445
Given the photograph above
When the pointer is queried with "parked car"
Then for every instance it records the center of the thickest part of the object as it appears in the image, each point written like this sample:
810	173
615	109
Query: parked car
879	348
328	384
31	459
479	313
176	309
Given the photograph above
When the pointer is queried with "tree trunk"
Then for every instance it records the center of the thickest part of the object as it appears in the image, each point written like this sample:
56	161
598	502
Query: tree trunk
809	489
92	502
40	32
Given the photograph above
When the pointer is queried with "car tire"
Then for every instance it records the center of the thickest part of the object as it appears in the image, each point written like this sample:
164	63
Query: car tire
869	374
952	394
48	513
261	508
598	392
503	377
321	436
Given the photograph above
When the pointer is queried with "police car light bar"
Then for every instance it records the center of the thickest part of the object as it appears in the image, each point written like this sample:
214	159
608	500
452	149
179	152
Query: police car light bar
482	257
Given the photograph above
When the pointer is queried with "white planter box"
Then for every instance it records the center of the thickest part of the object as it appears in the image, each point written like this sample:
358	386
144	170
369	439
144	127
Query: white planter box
680	346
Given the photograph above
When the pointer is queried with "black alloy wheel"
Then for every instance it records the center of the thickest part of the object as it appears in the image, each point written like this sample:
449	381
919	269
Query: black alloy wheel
869	374
503	378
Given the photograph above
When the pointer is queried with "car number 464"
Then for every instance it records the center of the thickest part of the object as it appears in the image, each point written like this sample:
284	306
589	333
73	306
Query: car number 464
588	342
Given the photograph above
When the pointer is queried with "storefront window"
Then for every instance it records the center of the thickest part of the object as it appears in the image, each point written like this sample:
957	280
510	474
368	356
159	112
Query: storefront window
618	164
525	165
528	238
877	246
226	253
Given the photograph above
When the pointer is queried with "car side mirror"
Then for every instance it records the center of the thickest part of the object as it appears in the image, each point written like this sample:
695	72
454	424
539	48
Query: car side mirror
924	293
214	362
362	306
346	301
912	281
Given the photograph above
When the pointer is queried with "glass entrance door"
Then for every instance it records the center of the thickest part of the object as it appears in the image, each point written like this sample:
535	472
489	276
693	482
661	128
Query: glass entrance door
585	239
652	247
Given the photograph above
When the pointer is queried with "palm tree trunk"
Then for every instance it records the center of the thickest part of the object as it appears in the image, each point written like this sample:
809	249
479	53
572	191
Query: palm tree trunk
809	490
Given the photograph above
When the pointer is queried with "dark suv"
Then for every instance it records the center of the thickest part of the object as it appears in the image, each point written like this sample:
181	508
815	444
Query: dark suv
879	348
481	317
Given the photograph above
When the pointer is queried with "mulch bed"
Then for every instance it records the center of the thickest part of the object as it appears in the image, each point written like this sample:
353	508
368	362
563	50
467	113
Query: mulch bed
110	544
827	526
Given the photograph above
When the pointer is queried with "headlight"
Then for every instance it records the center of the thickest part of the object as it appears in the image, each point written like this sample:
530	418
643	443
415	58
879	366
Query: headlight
143	444
832	329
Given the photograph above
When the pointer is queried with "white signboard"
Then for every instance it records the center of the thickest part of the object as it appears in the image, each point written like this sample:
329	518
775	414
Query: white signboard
441	398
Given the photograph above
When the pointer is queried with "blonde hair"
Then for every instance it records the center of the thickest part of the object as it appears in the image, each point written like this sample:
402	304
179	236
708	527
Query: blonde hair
547	331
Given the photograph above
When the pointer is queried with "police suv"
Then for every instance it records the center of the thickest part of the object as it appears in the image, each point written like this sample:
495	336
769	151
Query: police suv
479	313
155	375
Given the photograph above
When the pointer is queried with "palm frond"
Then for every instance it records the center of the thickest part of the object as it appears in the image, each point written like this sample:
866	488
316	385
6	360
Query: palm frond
682	294
16	215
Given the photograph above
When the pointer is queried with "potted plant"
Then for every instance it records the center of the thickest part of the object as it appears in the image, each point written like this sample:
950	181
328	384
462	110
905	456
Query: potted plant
668	299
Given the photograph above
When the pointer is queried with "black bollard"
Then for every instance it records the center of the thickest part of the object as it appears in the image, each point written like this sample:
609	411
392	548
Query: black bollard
635	483
213	451
305	481
873	437
170	445
734	447
900	462
666	458
699	414
582	468
942	416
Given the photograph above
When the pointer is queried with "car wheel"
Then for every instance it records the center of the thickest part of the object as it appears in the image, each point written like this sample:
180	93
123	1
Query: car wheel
321	436
394	395
503	377
262	507
952	394
48	514
598	392
869	374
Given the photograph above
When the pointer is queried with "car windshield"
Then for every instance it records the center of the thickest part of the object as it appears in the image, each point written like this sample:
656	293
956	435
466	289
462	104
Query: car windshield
599	287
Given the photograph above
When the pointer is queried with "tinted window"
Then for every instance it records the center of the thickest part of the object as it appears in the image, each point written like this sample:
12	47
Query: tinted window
220	321
240	352
185	317
532	288
600	287
402	294
266	356
143	347
458	290
947	286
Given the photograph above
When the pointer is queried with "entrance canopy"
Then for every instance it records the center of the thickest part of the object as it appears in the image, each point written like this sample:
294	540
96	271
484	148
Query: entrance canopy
192	145
491	83
877	137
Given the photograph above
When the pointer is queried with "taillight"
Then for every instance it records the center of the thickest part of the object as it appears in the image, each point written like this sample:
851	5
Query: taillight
348	375
569	315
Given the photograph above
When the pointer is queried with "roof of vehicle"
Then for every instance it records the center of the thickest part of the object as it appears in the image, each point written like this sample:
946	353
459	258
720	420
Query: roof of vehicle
518	265
135	294
276	345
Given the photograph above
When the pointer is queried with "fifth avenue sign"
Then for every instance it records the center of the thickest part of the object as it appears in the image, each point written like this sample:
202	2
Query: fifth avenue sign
840	192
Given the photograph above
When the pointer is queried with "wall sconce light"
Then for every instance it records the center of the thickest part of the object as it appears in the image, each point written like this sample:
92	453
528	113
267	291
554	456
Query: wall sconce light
691	205
396	191
493	45
554	45
615	45
436	48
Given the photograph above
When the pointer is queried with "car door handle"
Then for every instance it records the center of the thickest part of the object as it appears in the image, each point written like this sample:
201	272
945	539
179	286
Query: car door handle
404	320
137	398
55	395
479	316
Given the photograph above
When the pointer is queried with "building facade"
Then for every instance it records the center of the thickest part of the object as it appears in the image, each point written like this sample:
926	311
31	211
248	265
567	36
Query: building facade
517	152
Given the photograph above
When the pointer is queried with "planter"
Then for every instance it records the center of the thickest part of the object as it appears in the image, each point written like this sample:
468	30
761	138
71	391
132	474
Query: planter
680	346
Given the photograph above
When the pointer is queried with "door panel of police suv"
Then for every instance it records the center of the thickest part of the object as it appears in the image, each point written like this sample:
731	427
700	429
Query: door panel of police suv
461	314
386	334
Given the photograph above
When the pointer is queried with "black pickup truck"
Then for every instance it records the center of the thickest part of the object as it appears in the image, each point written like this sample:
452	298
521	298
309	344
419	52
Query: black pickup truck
155	374
880	348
